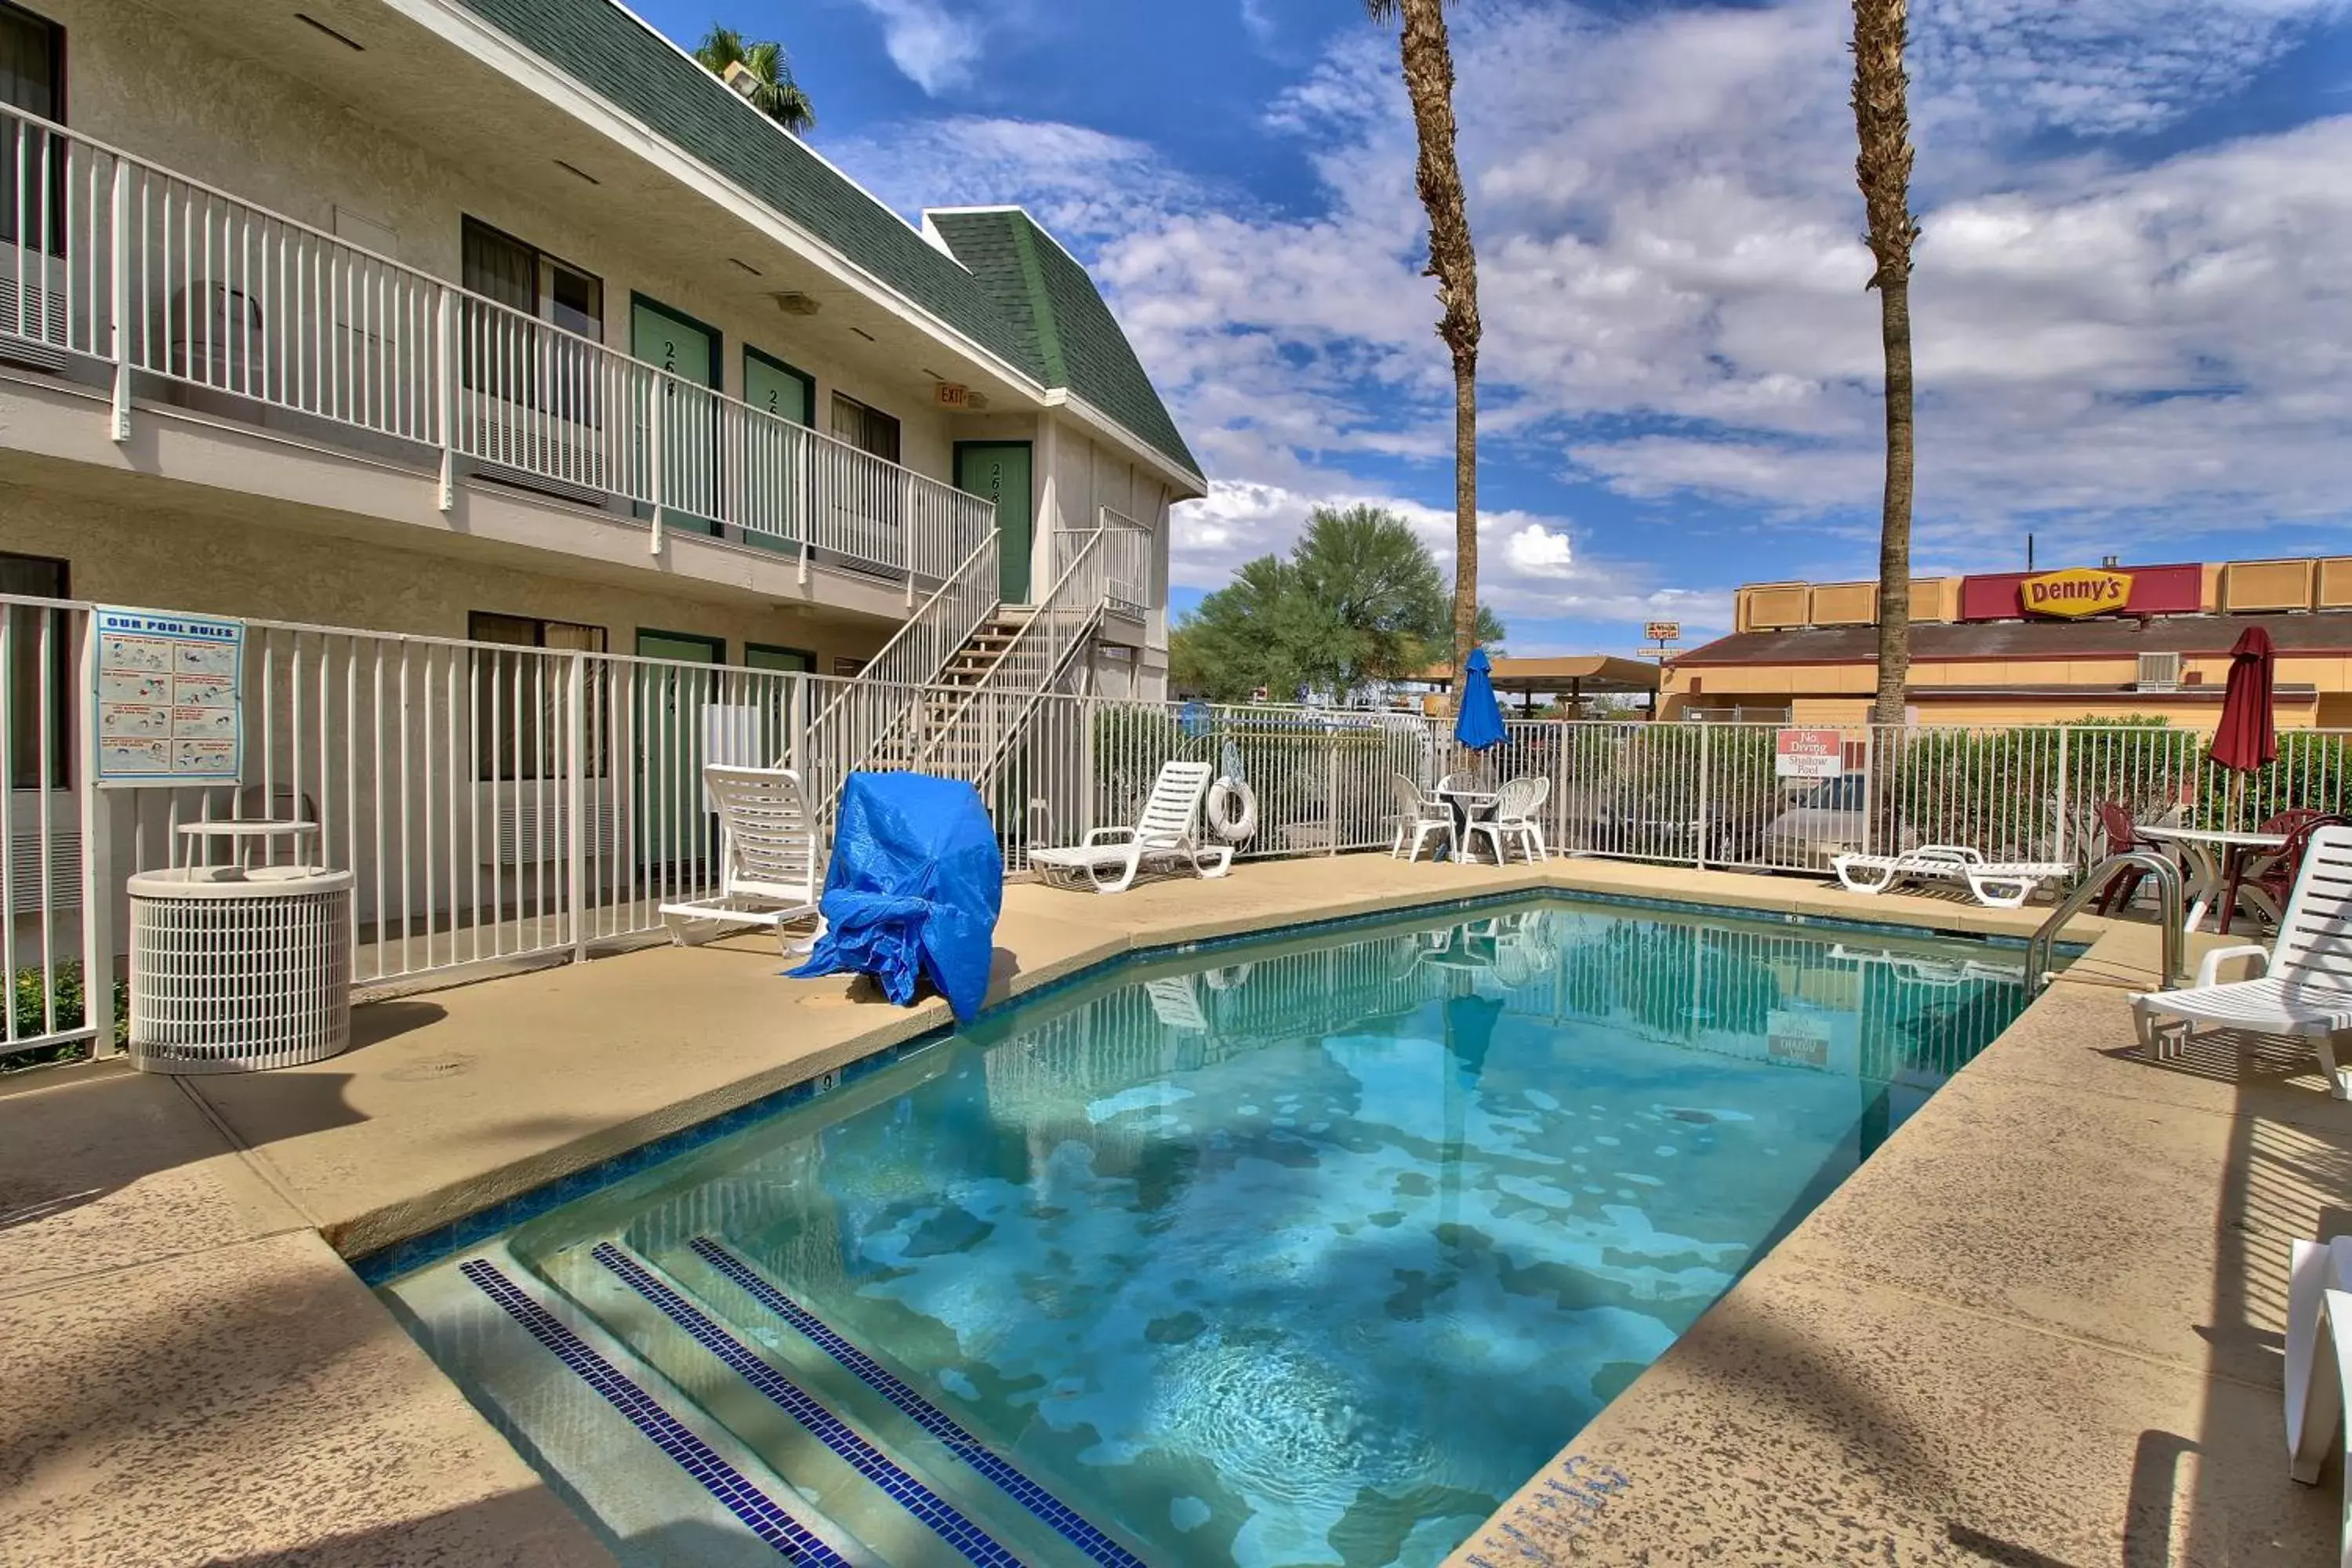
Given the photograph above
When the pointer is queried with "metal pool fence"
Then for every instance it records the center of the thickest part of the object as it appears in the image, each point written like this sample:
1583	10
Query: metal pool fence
499	804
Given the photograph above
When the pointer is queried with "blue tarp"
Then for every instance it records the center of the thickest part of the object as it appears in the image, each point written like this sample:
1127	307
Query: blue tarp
913	889
1480	724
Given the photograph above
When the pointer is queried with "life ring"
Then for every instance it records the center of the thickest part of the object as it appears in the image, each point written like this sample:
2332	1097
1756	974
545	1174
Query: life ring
1225	821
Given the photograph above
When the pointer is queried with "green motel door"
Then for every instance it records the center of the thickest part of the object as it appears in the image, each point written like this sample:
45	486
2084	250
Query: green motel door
999	470
774	473
690	425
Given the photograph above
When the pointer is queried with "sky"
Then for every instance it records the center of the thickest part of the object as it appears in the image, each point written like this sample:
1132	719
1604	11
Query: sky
2132	305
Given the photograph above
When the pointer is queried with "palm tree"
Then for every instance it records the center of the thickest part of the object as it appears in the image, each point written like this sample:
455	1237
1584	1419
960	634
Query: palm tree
1882	123
771	89
1428	62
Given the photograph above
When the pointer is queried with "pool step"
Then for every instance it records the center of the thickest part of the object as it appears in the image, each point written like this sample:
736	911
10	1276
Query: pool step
910	1514
917	1501
855	1380
580	1403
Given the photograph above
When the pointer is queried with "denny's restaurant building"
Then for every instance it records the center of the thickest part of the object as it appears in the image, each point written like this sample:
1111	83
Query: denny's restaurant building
2041	647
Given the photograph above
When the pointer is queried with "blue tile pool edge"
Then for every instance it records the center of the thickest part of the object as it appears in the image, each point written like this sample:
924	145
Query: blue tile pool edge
388	1263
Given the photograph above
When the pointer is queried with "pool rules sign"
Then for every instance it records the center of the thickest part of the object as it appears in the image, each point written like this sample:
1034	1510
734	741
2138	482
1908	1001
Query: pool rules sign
170	698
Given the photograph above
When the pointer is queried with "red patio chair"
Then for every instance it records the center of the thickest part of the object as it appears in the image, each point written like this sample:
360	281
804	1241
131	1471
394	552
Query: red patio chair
2273	870
2123	833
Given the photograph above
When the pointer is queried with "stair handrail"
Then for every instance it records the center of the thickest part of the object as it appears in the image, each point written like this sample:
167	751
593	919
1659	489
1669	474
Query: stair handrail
851	728
1028	665
2168	914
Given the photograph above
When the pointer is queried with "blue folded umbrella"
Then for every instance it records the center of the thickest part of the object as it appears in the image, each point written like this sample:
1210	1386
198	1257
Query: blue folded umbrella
913	889
1480	724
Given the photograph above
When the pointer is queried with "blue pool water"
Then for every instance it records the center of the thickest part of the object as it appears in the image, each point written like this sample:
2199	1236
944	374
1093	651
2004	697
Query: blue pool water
1305	1252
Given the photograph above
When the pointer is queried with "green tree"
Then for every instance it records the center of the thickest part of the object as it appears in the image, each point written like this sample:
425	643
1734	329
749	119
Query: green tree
1358	602
1426	58
771	90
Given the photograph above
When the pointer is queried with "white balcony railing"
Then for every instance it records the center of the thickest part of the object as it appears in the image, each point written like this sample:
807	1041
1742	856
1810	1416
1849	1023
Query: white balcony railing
1125	548
105	257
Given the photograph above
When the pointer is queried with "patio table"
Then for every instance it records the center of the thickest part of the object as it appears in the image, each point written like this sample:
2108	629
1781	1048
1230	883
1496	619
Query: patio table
2211	852
1468	805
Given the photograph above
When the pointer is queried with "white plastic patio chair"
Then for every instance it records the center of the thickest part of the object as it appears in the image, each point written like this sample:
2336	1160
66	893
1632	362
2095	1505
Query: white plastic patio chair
1419	816
2318	1368
1996	884
1168	834
2305	985
1514	819
769	870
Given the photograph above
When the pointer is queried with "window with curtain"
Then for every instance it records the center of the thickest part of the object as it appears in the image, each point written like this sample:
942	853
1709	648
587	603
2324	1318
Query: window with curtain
32	78
868	429
504	357
518	696
33	677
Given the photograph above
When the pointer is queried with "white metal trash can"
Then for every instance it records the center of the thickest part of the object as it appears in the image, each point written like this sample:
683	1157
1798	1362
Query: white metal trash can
235	968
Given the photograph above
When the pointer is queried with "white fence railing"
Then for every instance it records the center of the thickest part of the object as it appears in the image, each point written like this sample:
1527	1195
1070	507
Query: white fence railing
1125	550
140	273
505	803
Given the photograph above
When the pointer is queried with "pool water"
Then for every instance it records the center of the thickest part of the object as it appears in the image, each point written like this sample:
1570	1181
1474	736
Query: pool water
1309	1251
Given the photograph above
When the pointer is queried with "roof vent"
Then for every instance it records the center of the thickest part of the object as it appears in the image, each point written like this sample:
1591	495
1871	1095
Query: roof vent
2160	672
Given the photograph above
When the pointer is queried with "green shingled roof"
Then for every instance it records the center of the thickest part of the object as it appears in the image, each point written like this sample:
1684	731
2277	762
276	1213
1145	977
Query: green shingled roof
1060	317
1056	329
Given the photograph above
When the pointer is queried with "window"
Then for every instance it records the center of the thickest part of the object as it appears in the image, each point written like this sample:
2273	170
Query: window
527	280
37	672
766	656
526	631
868	429
32	78
517	697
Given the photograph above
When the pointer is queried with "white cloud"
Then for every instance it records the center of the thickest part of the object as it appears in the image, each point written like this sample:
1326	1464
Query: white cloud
2111	346
935	47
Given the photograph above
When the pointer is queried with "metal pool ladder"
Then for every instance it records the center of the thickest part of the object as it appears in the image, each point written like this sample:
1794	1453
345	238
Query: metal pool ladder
2168	914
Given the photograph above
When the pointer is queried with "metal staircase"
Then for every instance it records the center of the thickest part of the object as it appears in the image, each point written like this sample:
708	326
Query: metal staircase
953	691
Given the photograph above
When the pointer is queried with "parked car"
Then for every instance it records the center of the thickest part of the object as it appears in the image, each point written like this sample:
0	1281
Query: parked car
1822	821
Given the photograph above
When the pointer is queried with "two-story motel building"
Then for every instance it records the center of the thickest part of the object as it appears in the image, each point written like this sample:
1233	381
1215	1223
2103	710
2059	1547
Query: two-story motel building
504	319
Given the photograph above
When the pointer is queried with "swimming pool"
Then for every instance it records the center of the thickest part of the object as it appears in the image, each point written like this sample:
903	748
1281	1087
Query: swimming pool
1308	1250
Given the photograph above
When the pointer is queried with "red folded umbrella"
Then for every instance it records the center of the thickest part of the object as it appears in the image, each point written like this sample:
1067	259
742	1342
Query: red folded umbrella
2248	739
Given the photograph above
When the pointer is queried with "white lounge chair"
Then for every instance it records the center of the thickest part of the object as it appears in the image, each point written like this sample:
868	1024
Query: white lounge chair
1514	819
2000	884
2318	1369
770	870
2305	986
1176	1002
1419	816
1169	834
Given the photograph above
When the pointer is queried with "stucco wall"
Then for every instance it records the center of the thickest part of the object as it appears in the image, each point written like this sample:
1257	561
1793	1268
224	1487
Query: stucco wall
177	561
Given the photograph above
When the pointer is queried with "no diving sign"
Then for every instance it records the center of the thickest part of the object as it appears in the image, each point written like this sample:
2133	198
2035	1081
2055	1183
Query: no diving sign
1809	753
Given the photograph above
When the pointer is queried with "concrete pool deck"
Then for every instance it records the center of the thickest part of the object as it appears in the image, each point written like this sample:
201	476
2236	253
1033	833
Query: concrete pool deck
2039	1327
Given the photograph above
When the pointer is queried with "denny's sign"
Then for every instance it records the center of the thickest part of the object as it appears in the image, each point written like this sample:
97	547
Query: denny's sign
2168	590
2078	591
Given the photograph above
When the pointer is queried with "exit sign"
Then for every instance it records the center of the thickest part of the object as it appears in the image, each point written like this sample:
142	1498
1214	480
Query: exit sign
954	395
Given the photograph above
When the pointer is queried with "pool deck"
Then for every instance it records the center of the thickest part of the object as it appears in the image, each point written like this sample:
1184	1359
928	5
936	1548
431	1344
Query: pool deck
2040	1328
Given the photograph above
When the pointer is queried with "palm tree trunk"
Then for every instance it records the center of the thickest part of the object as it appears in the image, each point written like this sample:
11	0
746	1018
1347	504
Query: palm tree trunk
1895	512
1882	123
1426	56
1465	514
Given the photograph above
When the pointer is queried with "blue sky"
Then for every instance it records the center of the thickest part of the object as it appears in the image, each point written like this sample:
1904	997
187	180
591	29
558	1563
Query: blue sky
2133	305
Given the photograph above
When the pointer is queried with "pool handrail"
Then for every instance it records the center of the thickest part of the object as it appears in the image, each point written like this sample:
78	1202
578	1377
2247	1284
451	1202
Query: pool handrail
2168	914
